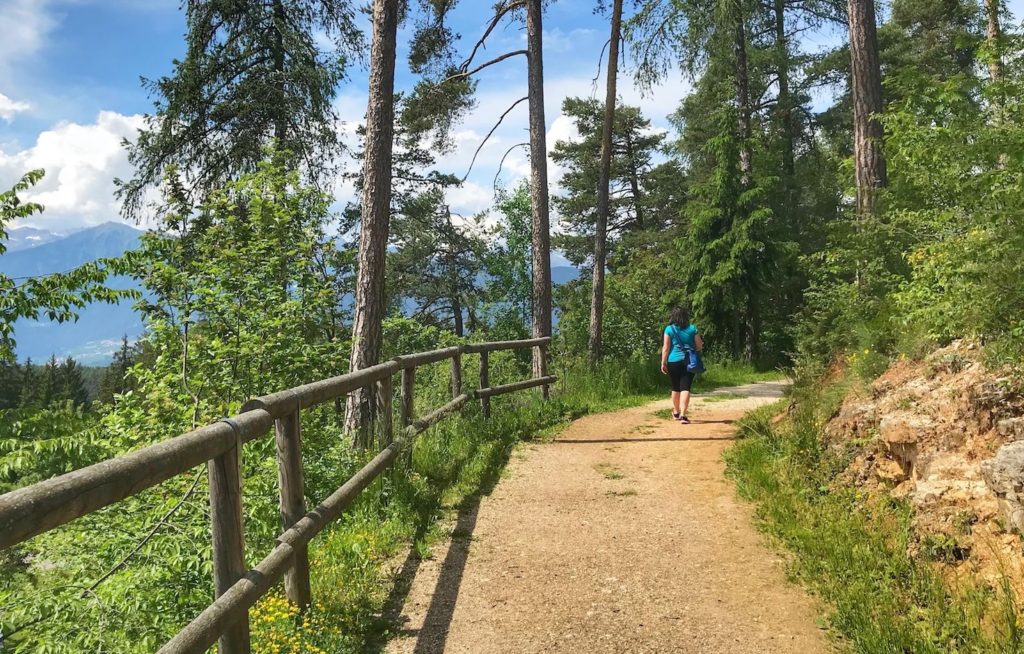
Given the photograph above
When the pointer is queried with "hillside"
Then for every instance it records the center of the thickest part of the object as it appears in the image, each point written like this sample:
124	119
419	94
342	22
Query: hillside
942	434
98	331
22	238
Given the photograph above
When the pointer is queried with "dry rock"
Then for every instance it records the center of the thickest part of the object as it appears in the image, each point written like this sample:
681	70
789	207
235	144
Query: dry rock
1005	478
1012	429
903	428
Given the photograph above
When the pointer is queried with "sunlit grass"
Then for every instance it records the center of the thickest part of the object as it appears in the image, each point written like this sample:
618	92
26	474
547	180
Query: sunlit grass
852	550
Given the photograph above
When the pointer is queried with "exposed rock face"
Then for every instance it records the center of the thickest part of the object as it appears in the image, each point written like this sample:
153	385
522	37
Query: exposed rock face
948	436
1012	429
1005	477
901	432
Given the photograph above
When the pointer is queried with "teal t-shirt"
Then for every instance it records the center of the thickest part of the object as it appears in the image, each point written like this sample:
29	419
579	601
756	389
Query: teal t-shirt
681	339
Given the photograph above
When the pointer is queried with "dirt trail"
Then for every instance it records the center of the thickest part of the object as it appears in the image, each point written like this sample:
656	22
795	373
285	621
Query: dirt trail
622	535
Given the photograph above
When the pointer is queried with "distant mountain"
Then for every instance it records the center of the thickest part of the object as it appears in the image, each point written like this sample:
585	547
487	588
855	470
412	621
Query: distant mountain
22	238
97	333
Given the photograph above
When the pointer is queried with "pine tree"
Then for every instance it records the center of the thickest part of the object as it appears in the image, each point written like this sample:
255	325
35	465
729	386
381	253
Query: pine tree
866	74
541	231
633	149
437	262
29	397
10	385
115	378
604	188
70	385
375	211
253	73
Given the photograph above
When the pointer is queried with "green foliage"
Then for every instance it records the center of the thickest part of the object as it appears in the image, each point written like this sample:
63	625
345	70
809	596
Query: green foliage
116	379
56	297
37	443
243	298
940	261
633	320
253	72
957	185
510	278
437	261
851	550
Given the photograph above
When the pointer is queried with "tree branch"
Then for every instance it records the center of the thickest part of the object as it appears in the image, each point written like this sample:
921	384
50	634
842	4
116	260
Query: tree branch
476	70
490	28
491	133
502	162
600	60
152	532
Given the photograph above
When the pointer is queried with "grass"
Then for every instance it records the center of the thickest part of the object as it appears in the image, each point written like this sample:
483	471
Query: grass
608	471
851	549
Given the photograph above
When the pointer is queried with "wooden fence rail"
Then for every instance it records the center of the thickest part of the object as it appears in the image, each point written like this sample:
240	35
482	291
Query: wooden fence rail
38	508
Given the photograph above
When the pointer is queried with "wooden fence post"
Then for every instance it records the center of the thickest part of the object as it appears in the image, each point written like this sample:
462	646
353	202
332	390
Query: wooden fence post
385	418
228	537
485	402
364	435
543	352
456	375
407	409
288	437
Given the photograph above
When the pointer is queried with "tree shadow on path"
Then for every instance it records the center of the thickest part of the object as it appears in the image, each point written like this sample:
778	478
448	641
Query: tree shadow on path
433	635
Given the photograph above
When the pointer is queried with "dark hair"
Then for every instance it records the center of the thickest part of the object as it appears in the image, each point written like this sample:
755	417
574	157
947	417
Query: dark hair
680	317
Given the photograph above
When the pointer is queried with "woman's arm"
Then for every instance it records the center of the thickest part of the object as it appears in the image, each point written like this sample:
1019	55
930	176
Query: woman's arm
699	342
665	347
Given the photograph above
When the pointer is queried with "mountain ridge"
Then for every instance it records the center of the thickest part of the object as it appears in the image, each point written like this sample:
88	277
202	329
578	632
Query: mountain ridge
96	335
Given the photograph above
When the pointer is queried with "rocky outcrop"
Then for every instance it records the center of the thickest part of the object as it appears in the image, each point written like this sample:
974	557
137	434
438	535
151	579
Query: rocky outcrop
946	435
1004	475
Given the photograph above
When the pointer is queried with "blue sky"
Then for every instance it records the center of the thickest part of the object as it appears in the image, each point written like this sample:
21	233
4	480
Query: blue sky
70	91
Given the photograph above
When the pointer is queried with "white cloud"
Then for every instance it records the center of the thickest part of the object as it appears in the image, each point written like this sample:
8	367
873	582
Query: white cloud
9	107
469	199
81	162
26	23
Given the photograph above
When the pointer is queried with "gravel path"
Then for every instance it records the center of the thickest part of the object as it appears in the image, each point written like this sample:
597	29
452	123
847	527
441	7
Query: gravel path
622	535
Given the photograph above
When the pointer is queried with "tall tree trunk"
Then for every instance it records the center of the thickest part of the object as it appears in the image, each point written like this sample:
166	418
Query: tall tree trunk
375	210
634	182
754	329
993	32
280	122
456	303
869	162
603	191
538	181
743	99
784	108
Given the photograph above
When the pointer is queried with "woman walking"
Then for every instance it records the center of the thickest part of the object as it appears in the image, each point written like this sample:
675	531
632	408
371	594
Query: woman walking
681	338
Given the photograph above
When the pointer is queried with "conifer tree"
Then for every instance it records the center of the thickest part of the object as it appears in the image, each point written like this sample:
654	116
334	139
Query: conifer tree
253	73
630	164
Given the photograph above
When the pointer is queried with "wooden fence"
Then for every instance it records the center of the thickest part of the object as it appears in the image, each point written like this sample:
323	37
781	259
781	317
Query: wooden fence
38	508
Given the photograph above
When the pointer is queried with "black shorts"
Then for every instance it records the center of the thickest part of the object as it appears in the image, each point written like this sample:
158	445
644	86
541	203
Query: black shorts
681	378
